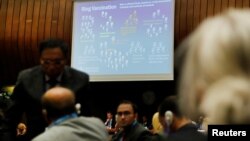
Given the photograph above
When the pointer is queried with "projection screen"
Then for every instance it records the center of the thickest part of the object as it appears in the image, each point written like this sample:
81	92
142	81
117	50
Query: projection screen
123	40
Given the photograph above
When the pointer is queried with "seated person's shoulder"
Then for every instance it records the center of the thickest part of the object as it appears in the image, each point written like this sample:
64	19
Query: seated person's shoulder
144	134
92	120
159	137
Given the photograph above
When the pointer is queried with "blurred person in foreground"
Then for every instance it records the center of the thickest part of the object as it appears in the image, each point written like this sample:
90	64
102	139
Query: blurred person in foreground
215	69
176	127
130	128
64	123
33	82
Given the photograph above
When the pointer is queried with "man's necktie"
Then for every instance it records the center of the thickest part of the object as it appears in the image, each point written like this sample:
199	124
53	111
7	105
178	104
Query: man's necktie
123	137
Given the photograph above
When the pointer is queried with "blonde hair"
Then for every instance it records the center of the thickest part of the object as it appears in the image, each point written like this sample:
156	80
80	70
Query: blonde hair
218	48
228	101
157	127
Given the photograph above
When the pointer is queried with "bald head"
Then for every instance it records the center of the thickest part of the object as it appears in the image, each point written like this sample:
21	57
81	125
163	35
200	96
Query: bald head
58	101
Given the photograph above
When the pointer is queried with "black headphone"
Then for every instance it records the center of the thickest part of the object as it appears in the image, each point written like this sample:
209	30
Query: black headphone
168	117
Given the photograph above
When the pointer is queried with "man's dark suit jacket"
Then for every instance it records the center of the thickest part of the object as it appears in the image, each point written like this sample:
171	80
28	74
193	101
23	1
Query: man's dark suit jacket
135	132
113	123
30	87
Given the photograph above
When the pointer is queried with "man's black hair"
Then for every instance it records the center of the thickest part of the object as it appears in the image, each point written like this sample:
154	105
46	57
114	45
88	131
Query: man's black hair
169	104
134	106
54	43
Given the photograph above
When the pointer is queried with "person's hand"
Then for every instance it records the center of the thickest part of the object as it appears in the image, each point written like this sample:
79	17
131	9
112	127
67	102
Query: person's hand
21	129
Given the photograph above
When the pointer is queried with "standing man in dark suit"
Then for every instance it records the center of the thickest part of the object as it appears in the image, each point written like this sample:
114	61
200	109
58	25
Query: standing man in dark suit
33	82
131	129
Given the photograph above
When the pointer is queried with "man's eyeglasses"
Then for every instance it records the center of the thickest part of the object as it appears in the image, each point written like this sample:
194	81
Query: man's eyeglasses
52	62
126	113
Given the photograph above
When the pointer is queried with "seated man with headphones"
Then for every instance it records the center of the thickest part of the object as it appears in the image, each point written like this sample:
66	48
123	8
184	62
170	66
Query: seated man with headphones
176	126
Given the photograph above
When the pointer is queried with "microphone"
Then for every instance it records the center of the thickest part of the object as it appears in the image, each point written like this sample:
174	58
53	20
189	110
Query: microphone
78	108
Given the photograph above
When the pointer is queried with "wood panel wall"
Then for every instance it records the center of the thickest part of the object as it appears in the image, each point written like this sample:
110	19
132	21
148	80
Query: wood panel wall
24	23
